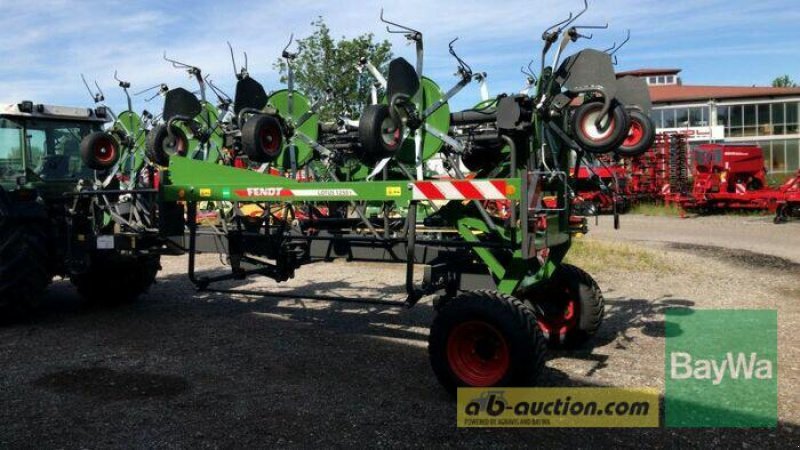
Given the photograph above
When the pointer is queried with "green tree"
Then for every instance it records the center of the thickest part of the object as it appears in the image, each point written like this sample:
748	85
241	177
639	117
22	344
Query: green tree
326	63
784	81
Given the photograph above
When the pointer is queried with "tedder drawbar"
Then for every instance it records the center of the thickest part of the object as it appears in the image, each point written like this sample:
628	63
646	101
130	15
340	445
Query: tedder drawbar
491	230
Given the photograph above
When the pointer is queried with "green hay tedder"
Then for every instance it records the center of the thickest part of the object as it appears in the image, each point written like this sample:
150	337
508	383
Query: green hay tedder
261	179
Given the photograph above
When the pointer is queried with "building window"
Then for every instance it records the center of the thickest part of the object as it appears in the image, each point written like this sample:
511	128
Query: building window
792	155
778	158
791	118
749	120
778	122
722	117
662	80
669	119
682	117
697	117
658	117
764	120
652	80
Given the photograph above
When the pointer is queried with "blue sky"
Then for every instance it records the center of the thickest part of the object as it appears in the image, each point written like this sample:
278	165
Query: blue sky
49	43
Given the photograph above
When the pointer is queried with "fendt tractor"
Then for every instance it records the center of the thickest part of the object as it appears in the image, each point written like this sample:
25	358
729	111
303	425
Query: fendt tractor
264	182
58	216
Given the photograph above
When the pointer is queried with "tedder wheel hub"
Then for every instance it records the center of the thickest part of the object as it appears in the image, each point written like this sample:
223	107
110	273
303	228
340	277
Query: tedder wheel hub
635	134
478	353
570	309
99	150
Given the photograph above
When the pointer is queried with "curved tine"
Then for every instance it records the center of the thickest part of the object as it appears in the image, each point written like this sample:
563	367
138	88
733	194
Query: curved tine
246	64
530	68
88	89
403	27
571	21
627	38
558	24
611	49
233	60
148	89
286	49
461	62
116	77
220	93
177	64
102	95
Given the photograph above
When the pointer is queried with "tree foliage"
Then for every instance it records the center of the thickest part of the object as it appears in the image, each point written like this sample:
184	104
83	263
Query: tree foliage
784	81
326	63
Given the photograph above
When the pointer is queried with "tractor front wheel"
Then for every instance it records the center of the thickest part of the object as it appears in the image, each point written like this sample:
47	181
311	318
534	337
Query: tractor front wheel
570	308
116	279
483	339
24	272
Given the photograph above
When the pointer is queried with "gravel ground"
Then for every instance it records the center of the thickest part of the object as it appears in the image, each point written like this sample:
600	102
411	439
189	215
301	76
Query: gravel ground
183	368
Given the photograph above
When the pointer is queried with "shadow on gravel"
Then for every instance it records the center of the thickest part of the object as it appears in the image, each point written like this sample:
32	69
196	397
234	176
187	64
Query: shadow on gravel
738	257
107	384
250	374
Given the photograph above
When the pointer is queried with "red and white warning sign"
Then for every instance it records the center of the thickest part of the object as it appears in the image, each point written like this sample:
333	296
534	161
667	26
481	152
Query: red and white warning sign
461	190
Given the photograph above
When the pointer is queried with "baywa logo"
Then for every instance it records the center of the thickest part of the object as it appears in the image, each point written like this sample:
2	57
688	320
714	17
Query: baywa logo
721	368
739	366
494	404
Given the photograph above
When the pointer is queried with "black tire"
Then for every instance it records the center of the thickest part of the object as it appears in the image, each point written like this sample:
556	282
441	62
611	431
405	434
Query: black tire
781	215
641	136
569	309
116	279
508	339
378	134
160	146
100	150
262	138
24	271
593	139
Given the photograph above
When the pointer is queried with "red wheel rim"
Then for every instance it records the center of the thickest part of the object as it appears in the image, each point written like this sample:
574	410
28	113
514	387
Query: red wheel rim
635	134
591	131
478	353
270	138
560	324
390	133
105	151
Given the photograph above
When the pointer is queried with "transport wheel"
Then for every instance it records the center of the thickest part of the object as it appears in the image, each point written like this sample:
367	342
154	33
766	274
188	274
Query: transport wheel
379	135
482	339
781	215
24	272
609	136
262	138
570	309
99	150
641	136
116	279
160	146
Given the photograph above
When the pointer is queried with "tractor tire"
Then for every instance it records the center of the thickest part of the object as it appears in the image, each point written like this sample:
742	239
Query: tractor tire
24	272
593	139
262	138
379	136
641	136
100	150
569	309
117	279
159	146
483	339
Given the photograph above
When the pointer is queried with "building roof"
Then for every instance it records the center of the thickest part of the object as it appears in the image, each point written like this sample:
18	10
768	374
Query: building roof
683	93
648	72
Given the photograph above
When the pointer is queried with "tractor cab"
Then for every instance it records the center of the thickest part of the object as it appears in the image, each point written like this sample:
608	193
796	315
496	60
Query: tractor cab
42	143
